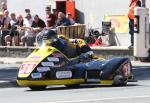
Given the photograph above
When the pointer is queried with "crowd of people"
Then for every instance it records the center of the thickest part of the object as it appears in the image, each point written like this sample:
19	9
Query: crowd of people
17	30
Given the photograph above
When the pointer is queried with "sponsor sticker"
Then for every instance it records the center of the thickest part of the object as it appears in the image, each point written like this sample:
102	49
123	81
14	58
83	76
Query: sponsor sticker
36	75
63	74
53	59
57	55
43	69
46	64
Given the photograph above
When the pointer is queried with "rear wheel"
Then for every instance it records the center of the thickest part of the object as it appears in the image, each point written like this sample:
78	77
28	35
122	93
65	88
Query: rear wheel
37	87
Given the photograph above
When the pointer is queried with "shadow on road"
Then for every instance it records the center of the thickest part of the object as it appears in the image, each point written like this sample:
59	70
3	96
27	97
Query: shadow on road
142	72
85	86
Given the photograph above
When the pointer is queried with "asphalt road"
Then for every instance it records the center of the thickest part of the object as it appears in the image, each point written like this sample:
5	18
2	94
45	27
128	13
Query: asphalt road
138	92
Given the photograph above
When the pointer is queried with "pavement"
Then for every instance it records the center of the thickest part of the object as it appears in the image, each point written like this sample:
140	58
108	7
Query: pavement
9	60
134	92
8	71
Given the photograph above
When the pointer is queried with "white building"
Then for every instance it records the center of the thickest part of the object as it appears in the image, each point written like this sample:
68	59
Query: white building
87	11
90	12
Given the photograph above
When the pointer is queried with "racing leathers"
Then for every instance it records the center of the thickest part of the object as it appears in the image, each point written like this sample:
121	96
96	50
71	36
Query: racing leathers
62	45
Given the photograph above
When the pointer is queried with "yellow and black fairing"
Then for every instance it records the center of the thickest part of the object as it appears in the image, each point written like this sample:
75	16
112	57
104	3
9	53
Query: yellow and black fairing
46	66
49	59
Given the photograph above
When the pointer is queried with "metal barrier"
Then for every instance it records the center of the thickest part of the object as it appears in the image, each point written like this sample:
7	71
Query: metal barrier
73	31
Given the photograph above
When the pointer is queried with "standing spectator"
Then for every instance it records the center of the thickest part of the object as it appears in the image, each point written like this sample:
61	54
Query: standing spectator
69	16
5	27
62	20
132	23
50	18
13	18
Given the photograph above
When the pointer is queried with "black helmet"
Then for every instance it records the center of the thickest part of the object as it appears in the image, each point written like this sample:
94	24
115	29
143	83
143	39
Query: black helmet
49	34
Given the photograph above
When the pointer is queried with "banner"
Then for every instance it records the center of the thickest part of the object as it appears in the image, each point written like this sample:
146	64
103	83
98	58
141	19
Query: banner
119	22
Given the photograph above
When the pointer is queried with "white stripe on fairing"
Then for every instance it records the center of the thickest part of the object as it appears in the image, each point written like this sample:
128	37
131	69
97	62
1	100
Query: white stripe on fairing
93	100
47	64
53	59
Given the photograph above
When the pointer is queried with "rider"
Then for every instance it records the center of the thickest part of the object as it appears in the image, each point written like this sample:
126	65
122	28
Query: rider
64	45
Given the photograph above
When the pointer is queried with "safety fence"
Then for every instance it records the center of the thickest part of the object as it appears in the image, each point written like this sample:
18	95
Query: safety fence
73	31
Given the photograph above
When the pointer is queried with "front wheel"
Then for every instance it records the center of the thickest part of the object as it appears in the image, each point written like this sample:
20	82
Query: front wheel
36	88
119	80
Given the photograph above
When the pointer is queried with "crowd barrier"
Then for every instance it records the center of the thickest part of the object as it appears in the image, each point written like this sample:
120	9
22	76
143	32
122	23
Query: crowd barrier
73	31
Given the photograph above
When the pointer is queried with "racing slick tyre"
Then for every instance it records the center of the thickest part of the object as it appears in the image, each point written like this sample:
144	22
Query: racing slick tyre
73	85
35	88
119	80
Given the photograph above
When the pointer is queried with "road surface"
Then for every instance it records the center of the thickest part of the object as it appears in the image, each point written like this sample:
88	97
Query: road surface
138	92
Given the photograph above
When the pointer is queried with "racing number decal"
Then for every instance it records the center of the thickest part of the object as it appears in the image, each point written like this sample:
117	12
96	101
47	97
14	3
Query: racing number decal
26	68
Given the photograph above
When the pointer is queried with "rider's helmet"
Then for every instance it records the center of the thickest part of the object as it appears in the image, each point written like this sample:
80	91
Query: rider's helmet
49	36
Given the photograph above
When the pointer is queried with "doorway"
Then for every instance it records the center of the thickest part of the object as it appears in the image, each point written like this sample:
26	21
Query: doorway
61	6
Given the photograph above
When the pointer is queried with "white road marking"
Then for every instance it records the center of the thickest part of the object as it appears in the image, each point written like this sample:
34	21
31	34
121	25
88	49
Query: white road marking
103	99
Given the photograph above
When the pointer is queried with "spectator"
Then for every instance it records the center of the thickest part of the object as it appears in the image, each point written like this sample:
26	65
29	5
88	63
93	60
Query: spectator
5	28
69	16
132	20
20	21
1	21
28	21
50	18
27	27
17	31
37	26
4	6
6	16
55	12
62	20
13	18
27	11
1	18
